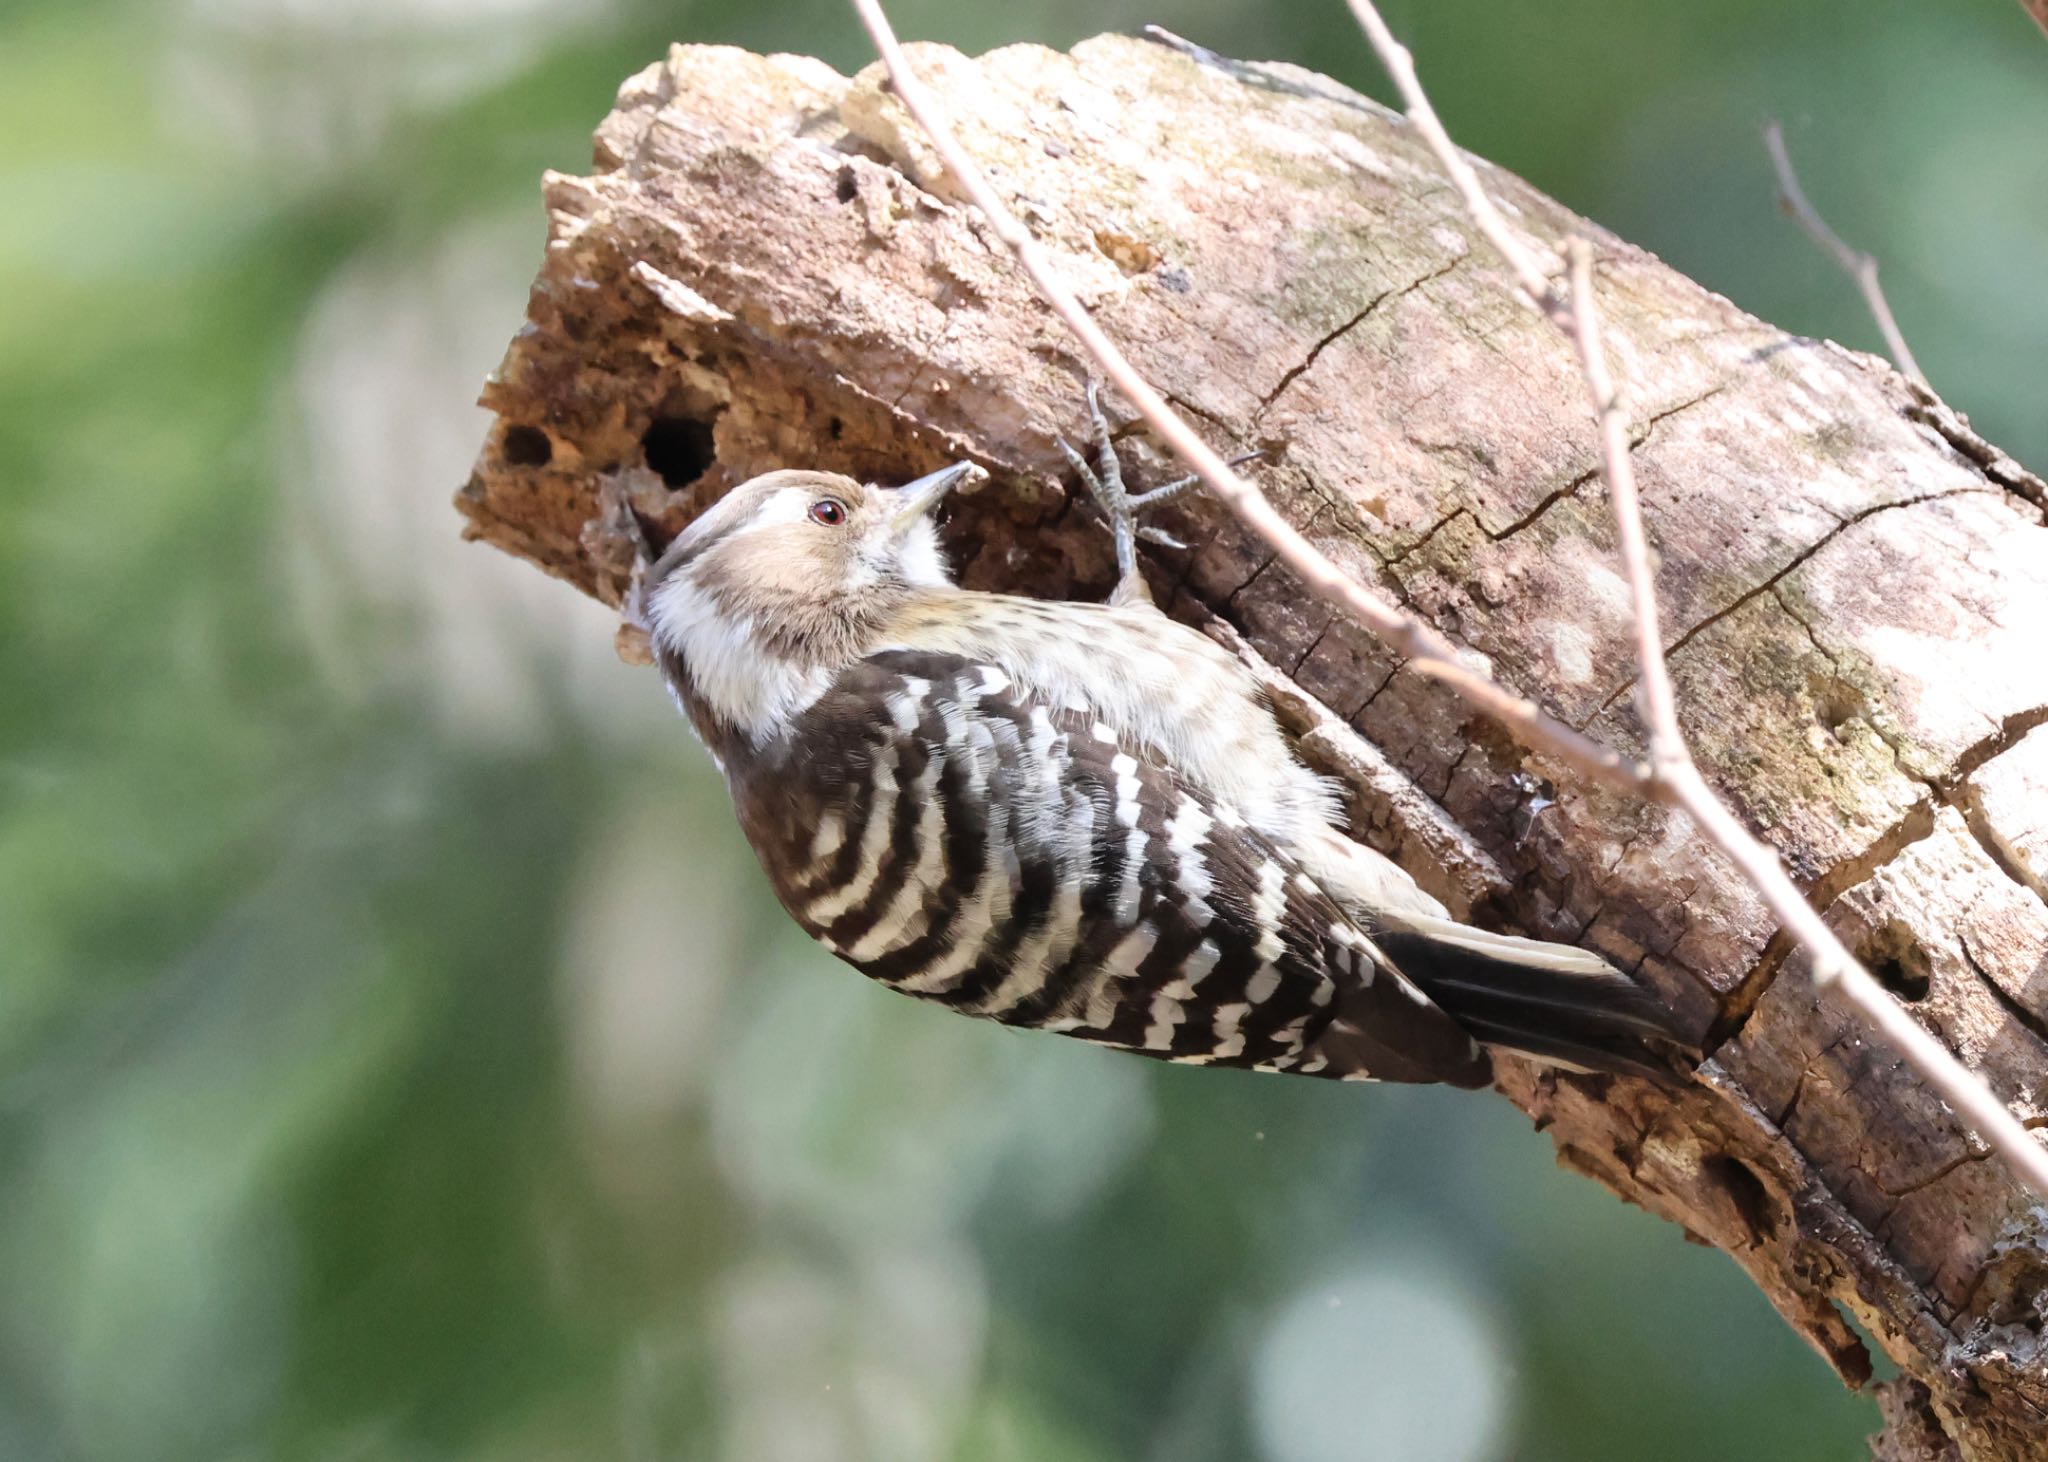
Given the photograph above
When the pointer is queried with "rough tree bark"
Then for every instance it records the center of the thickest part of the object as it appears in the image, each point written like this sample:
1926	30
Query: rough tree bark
766	269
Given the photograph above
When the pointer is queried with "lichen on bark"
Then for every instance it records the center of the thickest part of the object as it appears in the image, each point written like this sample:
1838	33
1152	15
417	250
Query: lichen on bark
766	267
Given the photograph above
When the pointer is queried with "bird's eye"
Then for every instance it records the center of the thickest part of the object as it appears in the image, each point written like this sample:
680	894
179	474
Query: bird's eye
829	511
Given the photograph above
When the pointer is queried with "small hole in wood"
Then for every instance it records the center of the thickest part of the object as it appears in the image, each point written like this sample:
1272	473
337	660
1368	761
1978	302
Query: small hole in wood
679	448
1836	703
1747	1193
1906	983
1900	961
527	446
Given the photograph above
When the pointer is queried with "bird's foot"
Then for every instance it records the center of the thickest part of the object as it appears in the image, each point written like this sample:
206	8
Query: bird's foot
1104	480
616	537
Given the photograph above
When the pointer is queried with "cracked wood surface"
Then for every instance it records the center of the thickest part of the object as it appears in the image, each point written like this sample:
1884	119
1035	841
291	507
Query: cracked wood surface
767	268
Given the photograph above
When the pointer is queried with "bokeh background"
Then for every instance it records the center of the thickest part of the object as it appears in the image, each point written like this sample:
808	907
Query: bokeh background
399	1055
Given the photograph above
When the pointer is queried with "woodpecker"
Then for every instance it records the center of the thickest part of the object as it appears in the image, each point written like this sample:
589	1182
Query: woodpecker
1077	817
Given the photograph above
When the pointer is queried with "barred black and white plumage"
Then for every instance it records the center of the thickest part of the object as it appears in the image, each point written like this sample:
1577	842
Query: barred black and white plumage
967	843
1080	818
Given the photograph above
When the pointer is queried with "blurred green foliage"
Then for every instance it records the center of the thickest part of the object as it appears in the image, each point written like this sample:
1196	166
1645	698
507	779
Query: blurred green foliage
399	1057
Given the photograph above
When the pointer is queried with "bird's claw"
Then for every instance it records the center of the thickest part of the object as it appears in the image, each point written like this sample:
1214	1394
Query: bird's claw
617	526
1104	481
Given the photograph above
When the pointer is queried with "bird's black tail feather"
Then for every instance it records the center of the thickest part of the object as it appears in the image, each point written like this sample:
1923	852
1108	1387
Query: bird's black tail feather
1556	1002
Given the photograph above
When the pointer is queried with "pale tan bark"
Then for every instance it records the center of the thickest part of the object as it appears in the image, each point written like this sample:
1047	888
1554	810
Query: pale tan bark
765	269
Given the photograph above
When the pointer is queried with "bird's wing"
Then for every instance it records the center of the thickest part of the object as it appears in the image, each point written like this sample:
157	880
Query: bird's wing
957	838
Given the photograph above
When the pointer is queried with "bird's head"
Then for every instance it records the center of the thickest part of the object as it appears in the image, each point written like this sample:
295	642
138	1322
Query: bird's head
786	579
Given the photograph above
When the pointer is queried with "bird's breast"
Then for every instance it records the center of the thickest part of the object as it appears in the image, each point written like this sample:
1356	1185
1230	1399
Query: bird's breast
1161	687
958	838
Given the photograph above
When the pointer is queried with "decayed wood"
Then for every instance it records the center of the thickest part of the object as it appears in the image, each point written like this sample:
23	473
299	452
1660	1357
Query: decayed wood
766	269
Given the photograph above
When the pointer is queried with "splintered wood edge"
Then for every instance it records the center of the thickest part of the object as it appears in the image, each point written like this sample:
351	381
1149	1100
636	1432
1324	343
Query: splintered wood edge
766	268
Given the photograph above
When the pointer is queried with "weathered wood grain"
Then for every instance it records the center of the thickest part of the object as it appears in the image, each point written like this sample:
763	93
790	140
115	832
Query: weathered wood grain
765	268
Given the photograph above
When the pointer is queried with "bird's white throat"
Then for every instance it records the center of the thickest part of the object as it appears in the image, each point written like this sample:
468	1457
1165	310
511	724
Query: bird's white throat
728	663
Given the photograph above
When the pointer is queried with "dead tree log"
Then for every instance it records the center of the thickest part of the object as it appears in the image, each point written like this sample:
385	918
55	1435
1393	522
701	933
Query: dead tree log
766	268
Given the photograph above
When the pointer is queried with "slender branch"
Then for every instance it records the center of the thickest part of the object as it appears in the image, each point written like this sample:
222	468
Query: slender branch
1678	780
1538	283
1427	650
1671	778
1857	264
2039	10
1657	704
1833	966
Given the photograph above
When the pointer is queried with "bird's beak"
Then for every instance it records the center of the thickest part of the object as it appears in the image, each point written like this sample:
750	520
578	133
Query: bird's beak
917	500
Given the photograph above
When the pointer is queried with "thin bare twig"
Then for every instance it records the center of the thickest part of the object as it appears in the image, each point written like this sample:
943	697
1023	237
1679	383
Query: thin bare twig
1856	263
1538	282
2039	10
1833	966
1671	778
1677	778
1427	650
